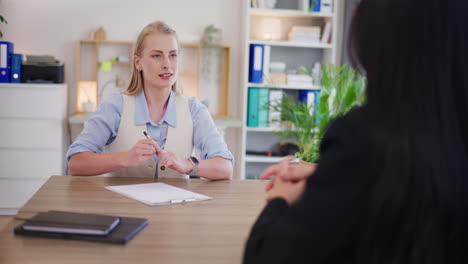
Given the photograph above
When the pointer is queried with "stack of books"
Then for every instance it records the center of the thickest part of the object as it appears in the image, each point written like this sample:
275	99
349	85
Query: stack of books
82	226
299	80
304	34
277	75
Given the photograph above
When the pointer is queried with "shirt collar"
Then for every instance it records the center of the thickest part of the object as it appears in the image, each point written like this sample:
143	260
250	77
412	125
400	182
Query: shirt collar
142	115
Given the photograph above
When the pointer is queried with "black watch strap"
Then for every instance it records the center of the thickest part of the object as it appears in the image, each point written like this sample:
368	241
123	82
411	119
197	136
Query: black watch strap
195	163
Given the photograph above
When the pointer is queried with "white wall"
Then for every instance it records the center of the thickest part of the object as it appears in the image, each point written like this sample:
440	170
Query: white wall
53	27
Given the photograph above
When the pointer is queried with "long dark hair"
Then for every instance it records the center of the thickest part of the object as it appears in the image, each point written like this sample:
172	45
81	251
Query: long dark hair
415	56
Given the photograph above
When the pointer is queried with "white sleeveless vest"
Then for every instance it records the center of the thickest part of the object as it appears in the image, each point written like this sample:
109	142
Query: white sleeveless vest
178	140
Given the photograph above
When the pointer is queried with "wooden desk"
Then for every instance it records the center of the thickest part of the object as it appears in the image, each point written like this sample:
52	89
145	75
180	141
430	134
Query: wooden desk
212	231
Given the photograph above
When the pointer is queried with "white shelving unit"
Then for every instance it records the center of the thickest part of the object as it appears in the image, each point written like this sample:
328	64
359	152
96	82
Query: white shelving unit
262	159
278	12
284	87
263	129
293	44
294	54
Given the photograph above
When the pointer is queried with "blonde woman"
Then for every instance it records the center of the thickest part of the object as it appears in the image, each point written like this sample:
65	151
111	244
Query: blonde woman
113	140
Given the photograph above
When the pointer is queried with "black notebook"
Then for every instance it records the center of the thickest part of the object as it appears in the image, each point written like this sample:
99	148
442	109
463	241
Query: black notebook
72	223
122	233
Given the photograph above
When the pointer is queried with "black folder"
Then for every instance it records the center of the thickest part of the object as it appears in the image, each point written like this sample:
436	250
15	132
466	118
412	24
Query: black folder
71	222
126	230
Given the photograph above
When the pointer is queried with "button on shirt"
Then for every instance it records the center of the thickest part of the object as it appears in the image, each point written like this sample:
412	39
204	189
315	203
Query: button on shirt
102	128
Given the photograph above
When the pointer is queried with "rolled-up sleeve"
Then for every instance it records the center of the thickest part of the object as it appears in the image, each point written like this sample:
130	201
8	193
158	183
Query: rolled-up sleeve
101	129
205	133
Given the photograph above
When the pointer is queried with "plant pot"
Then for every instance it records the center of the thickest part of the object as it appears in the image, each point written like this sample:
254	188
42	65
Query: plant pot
308	163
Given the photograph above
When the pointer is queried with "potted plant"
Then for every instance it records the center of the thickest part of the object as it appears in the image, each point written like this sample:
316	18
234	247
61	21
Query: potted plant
212	36
296	124
341	89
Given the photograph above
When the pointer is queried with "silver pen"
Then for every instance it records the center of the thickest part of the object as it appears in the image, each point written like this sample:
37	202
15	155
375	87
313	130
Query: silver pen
157	152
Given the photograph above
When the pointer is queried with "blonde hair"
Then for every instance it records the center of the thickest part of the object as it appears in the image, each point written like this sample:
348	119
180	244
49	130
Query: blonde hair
136	84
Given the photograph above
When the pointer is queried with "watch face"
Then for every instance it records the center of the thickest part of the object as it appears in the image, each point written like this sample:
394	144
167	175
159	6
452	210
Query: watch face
194	160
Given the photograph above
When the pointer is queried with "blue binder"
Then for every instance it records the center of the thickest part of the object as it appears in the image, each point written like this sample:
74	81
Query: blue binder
316	7
310	98
16	61
6	49
256	63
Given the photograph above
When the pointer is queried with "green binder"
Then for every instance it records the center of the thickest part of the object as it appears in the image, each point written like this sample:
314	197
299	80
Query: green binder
264	98
253	104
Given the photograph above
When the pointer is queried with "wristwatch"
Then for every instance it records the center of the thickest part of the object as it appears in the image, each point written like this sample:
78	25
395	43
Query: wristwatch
195	163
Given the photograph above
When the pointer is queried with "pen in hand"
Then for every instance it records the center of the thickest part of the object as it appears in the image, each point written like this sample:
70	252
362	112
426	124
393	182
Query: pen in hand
157	151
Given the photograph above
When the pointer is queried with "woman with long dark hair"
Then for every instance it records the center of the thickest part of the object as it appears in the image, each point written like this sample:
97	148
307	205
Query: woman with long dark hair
391	185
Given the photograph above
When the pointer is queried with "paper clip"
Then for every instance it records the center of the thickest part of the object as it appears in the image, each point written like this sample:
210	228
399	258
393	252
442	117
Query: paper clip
182	200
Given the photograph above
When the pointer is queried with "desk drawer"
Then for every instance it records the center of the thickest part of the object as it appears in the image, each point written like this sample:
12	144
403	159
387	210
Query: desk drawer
31	134
15	193
33	101
30	164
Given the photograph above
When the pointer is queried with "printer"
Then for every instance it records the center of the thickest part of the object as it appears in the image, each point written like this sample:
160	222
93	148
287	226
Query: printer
41	69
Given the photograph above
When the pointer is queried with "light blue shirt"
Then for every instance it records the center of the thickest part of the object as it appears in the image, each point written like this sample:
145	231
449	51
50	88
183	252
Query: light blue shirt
103	125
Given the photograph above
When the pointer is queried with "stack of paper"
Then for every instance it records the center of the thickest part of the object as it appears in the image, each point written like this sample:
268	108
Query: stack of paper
299	80
157	193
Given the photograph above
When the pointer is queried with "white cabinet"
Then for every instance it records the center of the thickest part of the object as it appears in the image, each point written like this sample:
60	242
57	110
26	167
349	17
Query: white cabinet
32	140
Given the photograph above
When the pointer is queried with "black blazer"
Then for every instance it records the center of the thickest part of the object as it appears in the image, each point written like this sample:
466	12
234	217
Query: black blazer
322	226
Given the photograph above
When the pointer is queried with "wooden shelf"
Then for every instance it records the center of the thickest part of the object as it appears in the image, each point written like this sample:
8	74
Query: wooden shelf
79	118
199	45
191	78
189	74
293	44
89	61
227	122
127	64
287	13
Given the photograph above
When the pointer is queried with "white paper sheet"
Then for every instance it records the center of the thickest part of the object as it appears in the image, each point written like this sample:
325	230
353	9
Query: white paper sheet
157	193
